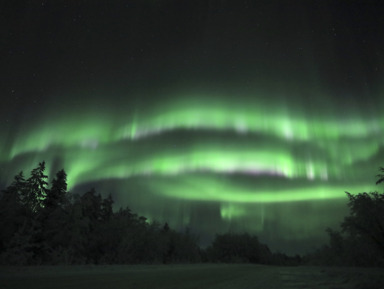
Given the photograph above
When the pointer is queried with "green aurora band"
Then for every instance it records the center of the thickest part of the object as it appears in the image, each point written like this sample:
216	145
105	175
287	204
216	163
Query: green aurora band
94	129
193	150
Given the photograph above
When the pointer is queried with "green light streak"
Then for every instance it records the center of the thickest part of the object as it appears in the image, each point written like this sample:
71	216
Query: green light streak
253	117
170	143
230	211
92	130
88	165
219	189
82	132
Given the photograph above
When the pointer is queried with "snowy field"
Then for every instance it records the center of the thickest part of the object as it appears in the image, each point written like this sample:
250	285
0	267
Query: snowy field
210	276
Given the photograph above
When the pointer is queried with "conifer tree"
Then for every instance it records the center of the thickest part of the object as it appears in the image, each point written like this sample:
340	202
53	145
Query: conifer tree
36	189
56	196
11	210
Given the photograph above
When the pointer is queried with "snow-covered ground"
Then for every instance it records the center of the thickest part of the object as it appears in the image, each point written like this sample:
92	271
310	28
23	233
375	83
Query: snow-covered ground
212	276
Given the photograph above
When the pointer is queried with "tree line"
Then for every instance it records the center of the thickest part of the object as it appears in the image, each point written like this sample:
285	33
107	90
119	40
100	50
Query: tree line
360	239
43	223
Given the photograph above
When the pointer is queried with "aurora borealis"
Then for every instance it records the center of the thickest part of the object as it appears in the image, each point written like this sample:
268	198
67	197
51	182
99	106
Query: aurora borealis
215	116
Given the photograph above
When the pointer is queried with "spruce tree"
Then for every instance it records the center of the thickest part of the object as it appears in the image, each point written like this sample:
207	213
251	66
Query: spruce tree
11	216
56	196
36	189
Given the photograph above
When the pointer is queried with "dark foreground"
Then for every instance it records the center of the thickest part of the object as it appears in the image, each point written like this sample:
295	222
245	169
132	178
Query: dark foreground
189	276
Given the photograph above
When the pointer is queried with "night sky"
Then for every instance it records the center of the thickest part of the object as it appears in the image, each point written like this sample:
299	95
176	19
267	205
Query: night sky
220	116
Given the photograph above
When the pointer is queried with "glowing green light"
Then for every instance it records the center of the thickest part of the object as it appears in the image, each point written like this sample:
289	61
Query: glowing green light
263	141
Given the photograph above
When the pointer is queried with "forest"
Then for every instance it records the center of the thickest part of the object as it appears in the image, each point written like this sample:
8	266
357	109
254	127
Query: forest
44	224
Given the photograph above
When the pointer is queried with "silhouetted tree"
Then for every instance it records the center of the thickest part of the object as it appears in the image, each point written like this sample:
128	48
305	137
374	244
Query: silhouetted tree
239	248
186	249
11	215
91	205
77	241
51	226
55	219
24	248
35	193
380	176
361	240
106	208
56	196
366	219
168	238
166	228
